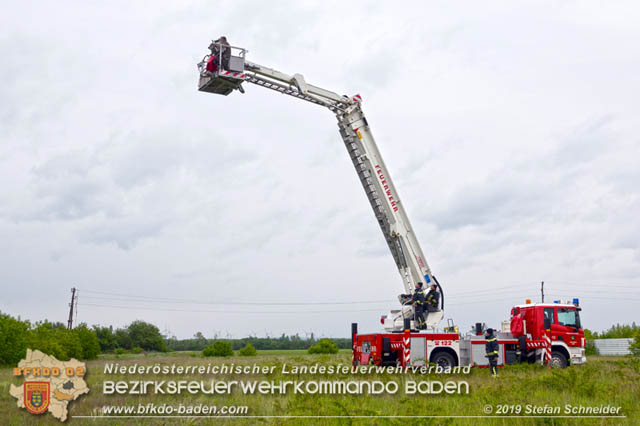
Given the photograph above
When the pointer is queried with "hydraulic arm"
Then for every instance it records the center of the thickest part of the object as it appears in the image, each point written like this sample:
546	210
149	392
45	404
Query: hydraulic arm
363	151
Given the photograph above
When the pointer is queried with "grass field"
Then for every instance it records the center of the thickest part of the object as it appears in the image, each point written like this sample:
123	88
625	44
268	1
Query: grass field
604	380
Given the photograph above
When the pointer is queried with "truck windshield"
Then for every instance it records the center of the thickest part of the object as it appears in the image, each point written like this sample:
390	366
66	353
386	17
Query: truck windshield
568	317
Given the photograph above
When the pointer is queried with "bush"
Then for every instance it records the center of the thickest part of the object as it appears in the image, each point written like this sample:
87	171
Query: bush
123	340
136	350
55	340
218	348
619	332
13	346
248	350
145	335
635	345
107	340
324	346
88	341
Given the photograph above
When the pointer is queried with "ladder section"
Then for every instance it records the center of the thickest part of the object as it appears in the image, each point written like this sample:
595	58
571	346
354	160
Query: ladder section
384	198
351	142
287	89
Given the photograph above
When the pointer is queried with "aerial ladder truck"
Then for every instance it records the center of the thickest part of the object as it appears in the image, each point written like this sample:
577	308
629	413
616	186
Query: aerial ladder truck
224	71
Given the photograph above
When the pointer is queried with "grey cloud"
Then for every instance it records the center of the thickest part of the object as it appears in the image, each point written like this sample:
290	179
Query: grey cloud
491	203
163	151
517	157
537	189
125	233
67	198
374	249
584	143
69	201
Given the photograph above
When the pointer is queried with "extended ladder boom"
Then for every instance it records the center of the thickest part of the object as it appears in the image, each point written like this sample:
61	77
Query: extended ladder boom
276	80
364	154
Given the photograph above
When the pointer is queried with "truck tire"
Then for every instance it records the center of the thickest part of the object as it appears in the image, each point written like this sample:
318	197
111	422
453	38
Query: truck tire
558	360
443	359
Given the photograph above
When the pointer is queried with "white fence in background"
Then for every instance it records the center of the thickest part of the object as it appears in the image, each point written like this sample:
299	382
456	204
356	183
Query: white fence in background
613	346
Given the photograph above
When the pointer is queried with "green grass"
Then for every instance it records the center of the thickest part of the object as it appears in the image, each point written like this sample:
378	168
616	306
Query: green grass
294	352
603	380
143	355
181	354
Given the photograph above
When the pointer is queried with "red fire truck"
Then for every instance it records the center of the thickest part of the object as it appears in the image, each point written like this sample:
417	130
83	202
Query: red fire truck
534	331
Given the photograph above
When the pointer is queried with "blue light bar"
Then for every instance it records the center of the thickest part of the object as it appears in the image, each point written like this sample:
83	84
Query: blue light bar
556	301
576	301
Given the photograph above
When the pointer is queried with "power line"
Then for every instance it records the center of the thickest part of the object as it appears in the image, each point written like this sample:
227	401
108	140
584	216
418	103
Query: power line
556	296
200	302
583	287
588	297
492	299
125	299
489	300
515	287
484	291
610	285
227	312
476	296
233	303
487	293
516	292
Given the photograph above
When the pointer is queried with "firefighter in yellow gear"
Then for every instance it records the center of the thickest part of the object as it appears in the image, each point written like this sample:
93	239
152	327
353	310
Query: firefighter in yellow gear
492	351
432	298
418	306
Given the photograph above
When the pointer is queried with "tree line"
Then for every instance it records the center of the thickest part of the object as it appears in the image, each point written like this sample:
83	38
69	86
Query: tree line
617	331
82	342
283	342
52	338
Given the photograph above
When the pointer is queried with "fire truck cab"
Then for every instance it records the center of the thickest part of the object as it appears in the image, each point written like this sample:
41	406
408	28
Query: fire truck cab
530	322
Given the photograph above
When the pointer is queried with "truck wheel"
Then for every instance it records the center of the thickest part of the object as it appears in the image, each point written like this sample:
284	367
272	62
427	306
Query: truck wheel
443	359
558	360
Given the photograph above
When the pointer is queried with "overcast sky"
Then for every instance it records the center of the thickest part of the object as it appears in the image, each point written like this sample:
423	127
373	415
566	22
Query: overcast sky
510	128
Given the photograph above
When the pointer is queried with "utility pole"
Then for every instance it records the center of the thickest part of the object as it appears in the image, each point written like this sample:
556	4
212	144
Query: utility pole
542	290
75	313
71	306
